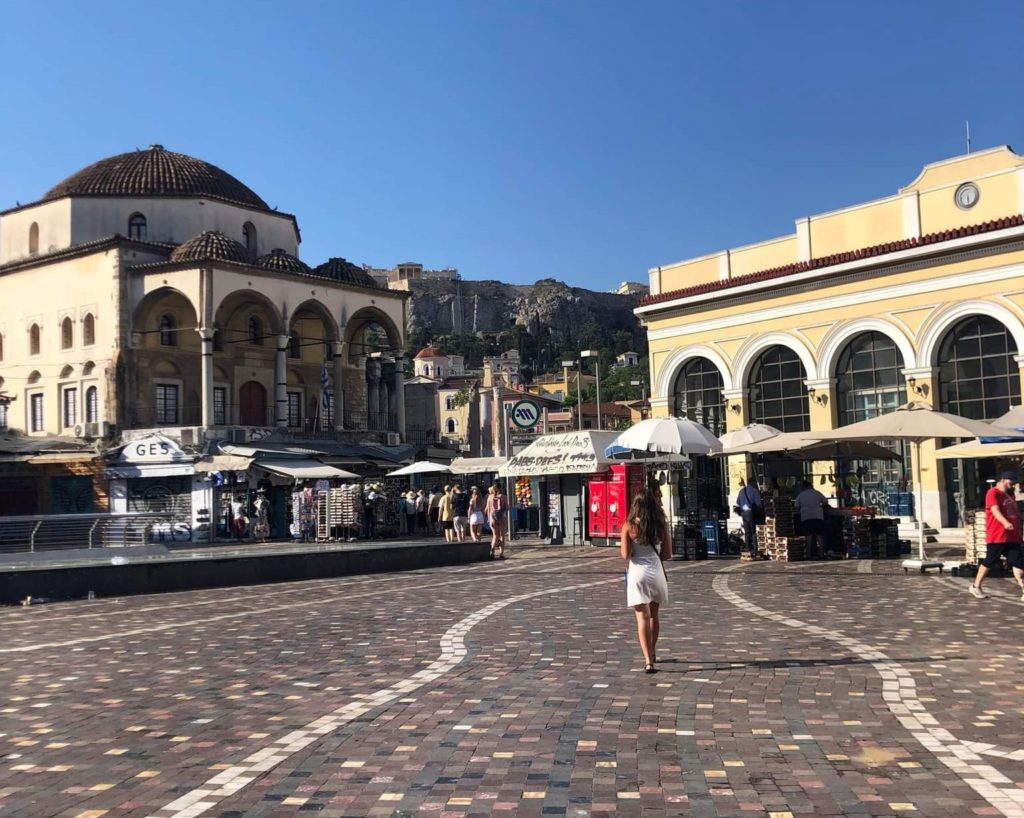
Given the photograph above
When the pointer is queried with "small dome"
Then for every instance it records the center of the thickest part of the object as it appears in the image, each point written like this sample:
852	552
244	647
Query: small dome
430	352
211	246
281	262
338	269
156	172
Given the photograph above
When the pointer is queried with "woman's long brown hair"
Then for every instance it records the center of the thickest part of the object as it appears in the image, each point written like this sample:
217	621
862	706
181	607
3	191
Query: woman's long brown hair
647	516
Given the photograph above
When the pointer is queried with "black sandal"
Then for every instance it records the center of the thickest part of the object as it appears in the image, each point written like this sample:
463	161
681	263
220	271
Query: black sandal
650	668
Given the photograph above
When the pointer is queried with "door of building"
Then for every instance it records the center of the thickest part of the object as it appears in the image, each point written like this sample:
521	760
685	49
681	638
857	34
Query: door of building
252	404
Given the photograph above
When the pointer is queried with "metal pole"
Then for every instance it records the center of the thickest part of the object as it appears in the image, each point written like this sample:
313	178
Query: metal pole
919	510
579	397
597	373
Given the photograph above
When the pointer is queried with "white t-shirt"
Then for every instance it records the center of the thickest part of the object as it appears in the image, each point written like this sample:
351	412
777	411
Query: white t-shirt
810	504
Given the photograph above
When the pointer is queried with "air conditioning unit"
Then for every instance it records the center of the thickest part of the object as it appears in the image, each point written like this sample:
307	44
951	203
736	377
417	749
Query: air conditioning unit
393	439
188	437
236	436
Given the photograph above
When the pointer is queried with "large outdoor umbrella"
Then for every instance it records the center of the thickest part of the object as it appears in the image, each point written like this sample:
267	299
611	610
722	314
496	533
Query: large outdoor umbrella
1014	419
422	467
747	435
811	446
916	422
977	448
666	436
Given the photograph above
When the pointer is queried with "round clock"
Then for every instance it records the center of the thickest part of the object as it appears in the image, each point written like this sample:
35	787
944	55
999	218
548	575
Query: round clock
967	196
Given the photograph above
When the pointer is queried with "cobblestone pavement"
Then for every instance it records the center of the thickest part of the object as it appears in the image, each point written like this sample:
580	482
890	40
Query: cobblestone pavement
514	688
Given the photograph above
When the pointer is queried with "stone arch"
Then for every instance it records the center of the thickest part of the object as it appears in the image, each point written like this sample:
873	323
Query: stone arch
165	368
939	324
360	321
753	348
836	339
67	372
679	358
148	313
232	314
87	368
306	312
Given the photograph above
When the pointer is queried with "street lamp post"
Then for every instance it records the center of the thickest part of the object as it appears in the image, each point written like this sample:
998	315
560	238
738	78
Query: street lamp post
579	397
593	353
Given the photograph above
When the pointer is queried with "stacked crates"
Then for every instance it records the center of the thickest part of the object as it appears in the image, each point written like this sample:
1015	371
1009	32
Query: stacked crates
770	544
900	504
780	509
857	538
974	536
713	534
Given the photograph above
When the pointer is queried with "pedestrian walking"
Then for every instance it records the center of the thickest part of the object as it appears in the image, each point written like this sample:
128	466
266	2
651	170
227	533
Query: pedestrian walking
750	506
1002	533
476	514
811	504
497	516
645	543
410	513
421	512
433	503
460	509
446	514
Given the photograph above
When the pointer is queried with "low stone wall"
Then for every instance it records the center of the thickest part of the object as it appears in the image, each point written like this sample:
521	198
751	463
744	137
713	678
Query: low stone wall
210	571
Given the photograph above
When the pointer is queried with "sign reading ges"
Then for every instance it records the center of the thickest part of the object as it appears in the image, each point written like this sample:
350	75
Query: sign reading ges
525	414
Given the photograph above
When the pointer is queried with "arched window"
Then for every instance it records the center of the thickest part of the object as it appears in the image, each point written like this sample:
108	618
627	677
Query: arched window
33	339
168	330
978	376
869	382
88	330
67	334
449	403
255	330
294	348
92	405
249	236
33	239
451	426
137	227
777	394
698	395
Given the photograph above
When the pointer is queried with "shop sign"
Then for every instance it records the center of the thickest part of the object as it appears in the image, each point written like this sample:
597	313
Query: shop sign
569	453
525	413
152	449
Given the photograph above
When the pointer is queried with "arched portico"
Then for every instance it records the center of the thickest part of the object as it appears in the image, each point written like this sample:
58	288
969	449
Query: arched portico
936	328
376	378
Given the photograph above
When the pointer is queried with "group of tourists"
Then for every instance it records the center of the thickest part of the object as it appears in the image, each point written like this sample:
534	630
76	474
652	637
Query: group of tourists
458	514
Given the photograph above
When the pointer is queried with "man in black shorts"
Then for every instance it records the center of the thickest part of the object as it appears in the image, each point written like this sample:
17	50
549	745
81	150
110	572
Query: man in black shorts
1002	532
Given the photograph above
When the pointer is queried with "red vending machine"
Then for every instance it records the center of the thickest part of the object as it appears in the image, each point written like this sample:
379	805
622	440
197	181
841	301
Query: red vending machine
610	496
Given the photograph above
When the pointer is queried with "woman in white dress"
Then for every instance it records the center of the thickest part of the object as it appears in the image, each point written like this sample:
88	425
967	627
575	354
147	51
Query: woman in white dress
646	541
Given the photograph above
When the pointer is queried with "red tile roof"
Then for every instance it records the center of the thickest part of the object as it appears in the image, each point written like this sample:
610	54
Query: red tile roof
838	258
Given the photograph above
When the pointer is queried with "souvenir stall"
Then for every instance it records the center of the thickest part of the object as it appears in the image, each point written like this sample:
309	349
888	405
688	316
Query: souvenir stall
152	474
560	467
309	501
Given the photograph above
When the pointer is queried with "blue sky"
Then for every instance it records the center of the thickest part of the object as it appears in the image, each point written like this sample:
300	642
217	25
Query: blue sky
585	141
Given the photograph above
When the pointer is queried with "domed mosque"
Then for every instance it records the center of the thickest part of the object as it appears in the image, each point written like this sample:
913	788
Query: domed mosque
175	298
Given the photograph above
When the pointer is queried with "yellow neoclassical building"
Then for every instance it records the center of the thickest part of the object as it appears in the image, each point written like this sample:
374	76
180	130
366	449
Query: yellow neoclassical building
918	295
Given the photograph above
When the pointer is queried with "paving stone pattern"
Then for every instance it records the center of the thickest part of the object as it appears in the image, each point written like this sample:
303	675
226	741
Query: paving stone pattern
515	688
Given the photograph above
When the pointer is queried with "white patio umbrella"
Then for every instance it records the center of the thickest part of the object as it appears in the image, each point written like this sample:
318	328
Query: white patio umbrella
1014	419
422	467
668	436
747	435
916	422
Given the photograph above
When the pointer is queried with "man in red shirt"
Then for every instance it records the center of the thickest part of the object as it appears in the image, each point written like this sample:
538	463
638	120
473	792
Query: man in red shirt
1002	532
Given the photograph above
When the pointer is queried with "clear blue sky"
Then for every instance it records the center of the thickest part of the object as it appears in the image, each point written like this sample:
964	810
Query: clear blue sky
586	141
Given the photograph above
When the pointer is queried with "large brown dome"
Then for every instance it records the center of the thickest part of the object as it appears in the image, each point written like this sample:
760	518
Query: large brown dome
339	269
211	246
156	172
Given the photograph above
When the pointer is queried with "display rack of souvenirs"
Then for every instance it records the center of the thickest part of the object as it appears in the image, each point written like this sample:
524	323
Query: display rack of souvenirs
303	522
524	492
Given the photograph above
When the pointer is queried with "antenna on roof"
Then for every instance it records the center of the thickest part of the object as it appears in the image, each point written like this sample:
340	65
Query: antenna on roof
967	122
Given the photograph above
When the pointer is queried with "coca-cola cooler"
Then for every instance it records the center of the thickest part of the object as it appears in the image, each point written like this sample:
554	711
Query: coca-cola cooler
610	494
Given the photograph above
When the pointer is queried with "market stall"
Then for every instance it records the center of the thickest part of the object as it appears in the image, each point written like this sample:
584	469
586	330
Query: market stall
560	467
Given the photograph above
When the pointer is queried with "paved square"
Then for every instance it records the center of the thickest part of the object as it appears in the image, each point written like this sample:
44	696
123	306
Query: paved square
515	689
